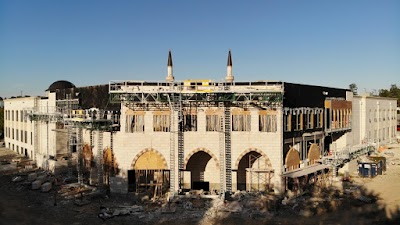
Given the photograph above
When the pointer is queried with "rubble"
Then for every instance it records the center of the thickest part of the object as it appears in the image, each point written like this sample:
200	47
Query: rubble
234	207
17	179
196	206
46	187
32	176
36	184
107	213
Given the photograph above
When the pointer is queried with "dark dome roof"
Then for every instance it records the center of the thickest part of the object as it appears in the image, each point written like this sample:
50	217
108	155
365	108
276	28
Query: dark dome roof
61	84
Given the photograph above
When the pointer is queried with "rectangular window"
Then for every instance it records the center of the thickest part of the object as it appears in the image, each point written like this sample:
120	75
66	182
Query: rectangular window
212	123
22	136
370	115
267	121
241	120
161	121
12	133
319	119
190	120
213	119
298	120
21	116
16	134
383	115
25	116
16	115
241	123
12	115
134	121
31	139
26	137
310	120
287	123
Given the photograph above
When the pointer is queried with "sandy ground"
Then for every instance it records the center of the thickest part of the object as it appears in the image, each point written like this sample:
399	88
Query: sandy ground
387	186
21	205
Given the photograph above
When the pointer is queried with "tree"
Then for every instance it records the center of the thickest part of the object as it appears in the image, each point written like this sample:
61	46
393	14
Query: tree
393	92
353	88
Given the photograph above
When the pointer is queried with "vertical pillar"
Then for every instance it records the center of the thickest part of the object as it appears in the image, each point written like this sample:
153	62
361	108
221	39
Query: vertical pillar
80	154
100	159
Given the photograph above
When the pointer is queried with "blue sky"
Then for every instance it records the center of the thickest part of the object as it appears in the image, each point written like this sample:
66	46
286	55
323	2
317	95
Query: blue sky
328	43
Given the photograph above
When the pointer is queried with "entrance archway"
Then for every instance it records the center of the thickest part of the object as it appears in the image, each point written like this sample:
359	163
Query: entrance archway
149	172
254	171
110	165
204	172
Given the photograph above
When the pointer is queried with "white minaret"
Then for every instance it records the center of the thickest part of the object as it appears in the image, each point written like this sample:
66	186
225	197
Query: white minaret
229	77
170	75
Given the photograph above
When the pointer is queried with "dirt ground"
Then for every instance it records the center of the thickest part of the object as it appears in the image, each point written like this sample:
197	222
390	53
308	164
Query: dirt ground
339	204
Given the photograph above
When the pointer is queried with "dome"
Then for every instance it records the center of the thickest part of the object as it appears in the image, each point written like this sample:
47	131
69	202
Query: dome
61	84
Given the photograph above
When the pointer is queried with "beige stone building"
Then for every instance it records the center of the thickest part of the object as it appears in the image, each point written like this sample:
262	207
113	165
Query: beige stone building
193	134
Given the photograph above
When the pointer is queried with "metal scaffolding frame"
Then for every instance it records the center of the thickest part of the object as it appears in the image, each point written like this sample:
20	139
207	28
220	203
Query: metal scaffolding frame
75	121
153	96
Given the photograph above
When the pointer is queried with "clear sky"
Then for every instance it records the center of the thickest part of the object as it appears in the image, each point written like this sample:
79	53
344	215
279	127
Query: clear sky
328	43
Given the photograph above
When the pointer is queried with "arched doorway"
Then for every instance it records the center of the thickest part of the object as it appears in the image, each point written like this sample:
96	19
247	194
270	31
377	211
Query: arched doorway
313	154
254	171
149	173
292	160
110	165
87	156
204	172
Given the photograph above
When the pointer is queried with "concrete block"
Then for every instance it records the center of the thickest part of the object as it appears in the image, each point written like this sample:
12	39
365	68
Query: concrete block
42	178
32	176
36	184
46	187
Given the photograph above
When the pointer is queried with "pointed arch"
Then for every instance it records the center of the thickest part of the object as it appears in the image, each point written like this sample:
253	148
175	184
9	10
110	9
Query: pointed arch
292	160
149	158
313	154
109	160
187	158
87	155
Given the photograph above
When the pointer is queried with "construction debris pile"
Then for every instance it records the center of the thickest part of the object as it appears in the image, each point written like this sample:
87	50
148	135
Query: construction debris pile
198	206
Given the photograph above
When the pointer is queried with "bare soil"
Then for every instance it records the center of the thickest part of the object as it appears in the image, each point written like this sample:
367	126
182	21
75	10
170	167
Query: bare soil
338	204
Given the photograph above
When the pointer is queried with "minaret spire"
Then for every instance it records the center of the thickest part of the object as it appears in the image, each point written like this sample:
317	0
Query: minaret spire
229	76
170	75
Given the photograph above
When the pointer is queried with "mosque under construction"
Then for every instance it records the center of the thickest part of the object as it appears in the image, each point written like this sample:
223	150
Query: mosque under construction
172	136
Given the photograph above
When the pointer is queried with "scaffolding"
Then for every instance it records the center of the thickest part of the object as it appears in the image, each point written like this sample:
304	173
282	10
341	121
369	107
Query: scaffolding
100	159
175	96
222	150
75	121
228	151
259	177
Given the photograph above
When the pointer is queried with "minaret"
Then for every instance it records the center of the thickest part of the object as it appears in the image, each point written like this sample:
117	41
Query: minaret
229	77
170	75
